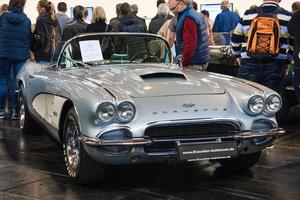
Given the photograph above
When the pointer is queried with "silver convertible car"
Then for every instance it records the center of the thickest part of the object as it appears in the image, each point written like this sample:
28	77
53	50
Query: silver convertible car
117	98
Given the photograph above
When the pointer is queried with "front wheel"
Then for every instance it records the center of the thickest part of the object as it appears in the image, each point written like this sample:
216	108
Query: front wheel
80	166
242	162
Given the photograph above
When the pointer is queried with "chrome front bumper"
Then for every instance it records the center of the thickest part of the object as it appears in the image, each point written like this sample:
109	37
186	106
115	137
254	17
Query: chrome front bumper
244	135
131	142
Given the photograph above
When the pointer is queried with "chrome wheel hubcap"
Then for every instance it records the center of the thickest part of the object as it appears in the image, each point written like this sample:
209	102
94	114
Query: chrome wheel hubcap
72	144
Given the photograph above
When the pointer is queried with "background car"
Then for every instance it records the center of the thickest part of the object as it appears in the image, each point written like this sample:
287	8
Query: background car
222	60
129	104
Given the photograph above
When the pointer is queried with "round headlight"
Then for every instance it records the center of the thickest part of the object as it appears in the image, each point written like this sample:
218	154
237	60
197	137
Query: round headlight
126	111
106	112
273	103
256	104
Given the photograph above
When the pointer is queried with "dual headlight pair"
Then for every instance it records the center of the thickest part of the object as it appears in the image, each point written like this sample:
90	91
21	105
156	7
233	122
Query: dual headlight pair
124	112
257	104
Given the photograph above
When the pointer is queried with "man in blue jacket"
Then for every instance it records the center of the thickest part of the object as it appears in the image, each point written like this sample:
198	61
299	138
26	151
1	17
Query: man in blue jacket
15	42
226	21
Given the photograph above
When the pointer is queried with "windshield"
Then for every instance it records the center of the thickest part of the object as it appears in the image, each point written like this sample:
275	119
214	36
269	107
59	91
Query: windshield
103	49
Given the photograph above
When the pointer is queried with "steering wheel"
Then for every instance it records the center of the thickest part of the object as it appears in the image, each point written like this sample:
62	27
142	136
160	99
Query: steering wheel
147	56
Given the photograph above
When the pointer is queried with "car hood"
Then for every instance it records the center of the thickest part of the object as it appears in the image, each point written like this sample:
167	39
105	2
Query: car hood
139	81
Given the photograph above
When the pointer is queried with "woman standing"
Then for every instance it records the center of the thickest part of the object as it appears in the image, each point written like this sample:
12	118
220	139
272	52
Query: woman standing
99	22
15	42
45	32
99	25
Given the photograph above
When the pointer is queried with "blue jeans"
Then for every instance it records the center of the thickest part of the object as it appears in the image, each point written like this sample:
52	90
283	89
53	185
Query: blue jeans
270	75
10	87
297	83
6	65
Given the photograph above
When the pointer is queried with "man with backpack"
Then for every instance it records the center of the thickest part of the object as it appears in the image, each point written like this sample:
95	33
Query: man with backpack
261	44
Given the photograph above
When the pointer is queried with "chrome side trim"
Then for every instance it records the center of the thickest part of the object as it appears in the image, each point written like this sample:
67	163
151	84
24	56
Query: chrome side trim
251	135
131	142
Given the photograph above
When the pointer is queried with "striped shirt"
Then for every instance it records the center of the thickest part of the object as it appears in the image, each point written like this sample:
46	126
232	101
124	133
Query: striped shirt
239	36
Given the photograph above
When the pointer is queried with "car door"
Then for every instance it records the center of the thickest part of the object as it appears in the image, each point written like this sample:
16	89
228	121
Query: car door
35	81
45	85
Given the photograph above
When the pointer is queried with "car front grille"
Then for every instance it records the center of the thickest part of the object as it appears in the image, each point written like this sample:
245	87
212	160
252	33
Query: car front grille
165	136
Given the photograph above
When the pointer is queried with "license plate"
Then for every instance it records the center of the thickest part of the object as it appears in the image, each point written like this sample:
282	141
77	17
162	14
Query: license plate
206	151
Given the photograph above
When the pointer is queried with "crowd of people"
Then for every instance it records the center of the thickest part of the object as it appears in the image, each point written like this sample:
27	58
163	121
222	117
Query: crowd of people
187	31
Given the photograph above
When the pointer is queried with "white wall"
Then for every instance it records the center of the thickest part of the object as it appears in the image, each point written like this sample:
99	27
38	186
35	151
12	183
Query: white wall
243	5
147	8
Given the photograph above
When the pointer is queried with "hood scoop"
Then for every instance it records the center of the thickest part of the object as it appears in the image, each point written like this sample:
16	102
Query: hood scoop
163	76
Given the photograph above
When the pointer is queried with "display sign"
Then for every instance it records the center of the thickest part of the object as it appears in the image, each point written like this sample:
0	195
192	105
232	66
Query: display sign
90	50
206	151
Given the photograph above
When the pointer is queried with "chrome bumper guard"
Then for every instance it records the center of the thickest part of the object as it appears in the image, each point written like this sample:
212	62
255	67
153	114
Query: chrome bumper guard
131	142
246	135
251	135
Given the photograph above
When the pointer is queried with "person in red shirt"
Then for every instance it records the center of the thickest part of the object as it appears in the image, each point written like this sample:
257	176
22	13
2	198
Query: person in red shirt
191	36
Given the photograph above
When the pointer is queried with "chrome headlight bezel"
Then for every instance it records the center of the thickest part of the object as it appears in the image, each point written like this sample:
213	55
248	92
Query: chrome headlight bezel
271	101
106	112
123	109
256	105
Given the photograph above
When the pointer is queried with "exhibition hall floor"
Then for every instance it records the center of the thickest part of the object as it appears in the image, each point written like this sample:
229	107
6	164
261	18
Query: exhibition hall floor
32	167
